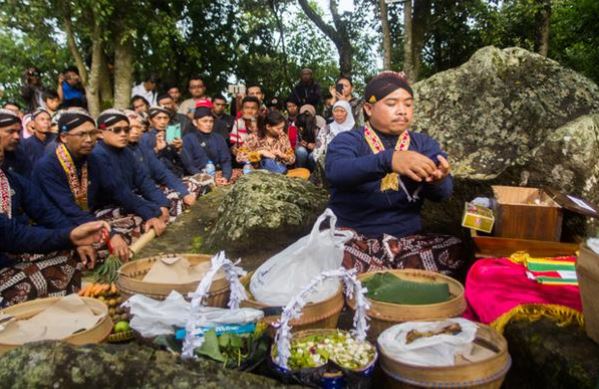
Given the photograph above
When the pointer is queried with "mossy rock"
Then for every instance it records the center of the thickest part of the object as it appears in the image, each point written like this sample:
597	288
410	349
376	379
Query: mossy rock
265	210
512	117
546	355
61	365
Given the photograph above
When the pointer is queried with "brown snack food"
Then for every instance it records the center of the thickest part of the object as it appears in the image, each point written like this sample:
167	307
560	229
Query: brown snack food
452	329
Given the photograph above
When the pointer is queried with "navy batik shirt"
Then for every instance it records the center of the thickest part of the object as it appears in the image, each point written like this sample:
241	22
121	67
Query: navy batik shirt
157	170
106	187
355	174
28	204
199	148
17	161
121	164
35	148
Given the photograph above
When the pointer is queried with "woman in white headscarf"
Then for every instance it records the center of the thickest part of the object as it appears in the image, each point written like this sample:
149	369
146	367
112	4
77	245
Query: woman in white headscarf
343	121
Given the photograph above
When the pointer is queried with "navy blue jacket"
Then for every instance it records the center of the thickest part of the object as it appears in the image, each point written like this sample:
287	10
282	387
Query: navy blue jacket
107	185
355	174
199	147
17	161
157	170
28	203
168	156
35	148
121	165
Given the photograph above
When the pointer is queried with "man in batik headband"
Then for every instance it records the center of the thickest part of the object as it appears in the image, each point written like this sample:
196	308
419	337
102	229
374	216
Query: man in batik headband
15	158
30	266
114	155
84	186
155	140
36	145
380	176
174	188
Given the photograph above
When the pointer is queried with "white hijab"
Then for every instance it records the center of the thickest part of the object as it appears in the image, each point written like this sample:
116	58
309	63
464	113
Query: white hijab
349	122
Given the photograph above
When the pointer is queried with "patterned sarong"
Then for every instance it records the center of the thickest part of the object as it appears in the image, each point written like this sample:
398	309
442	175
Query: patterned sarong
35	276
127	225
237	173
439	253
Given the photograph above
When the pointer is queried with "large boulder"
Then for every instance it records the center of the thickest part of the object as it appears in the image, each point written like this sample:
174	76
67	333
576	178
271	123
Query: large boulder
61	365
265	210
546	355
512	117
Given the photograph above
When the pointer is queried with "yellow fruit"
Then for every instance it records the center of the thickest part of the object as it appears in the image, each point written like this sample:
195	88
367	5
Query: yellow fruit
121	326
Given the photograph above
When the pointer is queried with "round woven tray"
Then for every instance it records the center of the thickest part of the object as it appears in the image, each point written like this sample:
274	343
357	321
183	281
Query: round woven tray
96	334
488	373
323	314
131	282
384	315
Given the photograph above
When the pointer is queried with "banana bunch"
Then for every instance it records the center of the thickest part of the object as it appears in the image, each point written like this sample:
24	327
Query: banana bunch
108	294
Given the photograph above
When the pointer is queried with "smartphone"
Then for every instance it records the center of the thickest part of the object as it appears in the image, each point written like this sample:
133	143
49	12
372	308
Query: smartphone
173	131
236	89
339	88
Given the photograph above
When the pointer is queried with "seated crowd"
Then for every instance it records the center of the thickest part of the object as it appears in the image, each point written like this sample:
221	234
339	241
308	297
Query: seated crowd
77	187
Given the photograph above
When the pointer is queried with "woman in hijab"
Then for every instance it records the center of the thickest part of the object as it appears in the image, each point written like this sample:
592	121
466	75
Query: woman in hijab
343	121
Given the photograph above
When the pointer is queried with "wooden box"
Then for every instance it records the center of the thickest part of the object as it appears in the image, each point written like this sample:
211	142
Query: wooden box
502	246
527	213
587	271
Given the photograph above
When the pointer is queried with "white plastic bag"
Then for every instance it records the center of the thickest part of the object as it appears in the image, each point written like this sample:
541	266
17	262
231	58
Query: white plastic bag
437	350
283	276
153	317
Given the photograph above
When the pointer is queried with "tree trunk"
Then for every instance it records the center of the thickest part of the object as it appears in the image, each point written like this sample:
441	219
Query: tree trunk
345	60
542	17
386	35
123	71
338	35
420	18
281	28
92	90
408	63
106	94
71	44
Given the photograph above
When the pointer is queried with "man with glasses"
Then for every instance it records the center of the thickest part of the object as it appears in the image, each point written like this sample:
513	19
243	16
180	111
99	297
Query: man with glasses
223	123
35	145
197	90
114	155
84	183
24	275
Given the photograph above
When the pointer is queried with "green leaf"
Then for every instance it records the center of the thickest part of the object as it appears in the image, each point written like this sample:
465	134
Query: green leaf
210	347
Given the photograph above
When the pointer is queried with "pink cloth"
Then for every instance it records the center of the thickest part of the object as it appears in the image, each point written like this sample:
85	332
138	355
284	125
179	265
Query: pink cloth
494	286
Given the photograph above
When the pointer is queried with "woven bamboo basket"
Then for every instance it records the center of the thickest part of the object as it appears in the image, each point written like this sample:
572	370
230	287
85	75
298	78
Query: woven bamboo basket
131	282
330	379
486	374
323	314
96	334
384	315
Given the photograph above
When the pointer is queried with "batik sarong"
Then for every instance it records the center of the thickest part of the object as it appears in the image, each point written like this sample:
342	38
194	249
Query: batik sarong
439	253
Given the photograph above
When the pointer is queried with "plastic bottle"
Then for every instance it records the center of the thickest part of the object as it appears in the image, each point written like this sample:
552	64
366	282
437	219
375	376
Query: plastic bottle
210	169
247	168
